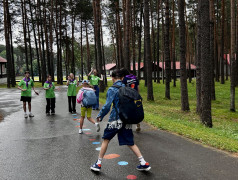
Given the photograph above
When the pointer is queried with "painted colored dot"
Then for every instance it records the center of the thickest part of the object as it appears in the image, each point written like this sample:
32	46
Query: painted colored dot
122	163
111	156
98	149
92	139
74	114
88	133
86	129
96	142
131	177
77	126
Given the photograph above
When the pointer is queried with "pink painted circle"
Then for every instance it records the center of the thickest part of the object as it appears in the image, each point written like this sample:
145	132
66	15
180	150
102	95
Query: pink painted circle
131	177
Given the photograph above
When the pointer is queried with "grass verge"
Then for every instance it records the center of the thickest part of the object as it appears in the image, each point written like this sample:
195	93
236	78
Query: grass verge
167	115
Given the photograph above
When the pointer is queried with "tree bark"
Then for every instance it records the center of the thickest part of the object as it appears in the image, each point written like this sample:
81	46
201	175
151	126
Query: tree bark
183	71
150	96
206	116
167	52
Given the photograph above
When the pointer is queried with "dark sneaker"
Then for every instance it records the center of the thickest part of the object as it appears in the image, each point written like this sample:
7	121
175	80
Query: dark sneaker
53	112
138	128
47	114
96	167
146	167
97	109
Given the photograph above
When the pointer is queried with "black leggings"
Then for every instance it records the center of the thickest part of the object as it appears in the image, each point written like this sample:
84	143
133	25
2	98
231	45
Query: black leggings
50	105
72	102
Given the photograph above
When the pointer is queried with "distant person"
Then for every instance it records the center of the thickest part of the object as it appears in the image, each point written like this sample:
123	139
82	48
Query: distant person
49	88
25	85
72	84
116	127
132	81
86	96
94	81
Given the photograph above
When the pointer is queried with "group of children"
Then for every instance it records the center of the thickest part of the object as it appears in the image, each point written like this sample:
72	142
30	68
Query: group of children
114	126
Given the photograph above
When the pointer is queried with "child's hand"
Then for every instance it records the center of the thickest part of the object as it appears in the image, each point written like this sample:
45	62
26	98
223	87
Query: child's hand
23	90
98	119
37	93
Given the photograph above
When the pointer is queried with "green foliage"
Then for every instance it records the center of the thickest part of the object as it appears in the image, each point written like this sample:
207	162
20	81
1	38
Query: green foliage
167	115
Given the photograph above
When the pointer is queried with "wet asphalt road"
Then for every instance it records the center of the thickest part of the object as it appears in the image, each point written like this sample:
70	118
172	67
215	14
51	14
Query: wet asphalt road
49	147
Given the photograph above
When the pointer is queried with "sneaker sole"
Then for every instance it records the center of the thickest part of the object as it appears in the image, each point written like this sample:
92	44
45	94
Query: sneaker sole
94	169
147	169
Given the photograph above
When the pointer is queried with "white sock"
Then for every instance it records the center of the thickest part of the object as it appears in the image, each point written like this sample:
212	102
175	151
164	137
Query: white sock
99	161
142	161
25	113
96	124
29	112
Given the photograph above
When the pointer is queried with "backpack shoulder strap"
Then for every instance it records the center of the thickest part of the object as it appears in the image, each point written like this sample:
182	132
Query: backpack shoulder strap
116	86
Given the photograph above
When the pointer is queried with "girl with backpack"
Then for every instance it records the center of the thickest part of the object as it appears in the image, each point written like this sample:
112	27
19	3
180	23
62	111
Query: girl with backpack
86	97
116	127
94	81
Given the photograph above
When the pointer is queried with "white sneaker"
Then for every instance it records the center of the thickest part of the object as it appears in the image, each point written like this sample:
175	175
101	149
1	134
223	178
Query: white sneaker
25	116
31	115
97	127
80	131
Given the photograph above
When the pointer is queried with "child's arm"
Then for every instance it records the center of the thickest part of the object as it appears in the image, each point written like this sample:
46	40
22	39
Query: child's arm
107	106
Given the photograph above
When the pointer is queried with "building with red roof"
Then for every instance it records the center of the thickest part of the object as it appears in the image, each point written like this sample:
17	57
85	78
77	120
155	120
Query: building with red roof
3	67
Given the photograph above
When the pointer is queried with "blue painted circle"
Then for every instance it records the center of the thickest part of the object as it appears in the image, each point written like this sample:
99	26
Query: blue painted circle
86	129
96	142
122	163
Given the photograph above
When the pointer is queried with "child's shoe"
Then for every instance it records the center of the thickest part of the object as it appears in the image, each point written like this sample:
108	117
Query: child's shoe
80	131
25	115
145	167
97	127
31	115
53	112
96	167
47	114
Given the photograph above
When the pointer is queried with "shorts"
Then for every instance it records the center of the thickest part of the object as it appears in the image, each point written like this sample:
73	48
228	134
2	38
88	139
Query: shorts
25	99
88	110
124	134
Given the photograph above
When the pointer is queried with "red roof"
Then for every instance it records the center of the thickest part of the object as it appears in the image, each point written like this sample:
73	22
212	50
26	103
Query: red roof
2	60
141	66
110	66
193	67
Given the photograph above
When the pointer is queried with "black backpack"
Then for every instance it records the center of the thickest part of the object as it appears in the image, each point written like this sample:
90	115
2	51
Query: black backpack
130	105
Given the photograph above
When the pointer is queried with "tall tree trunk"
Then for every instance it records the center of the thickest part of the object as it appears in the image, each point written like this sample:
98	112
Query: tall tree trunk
35	39
88	50
150	96
7	41
99	49
81	47
222	43
134	37
158	40
127	35
24	32
29	39
212	53
139	41
153	46
206	116
183	71
167	52
103	59
163	47
51	40
173	48
198	62
233	60
72	44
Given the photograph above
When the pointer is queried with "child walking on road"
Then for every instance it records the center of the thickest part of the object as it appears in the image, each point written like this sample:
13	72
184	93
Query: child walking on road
25	85
49	88
86	96
72	84
115	126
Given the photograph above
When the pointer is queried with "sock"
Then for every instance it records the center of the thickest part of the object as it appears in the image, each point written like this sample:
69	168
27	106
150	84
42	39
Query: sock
96	124
29	112
99	161
25	113
142	161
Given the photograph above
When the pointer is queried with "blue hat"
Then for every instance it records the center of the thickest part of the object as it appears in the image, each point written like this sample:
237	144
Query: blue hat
85	81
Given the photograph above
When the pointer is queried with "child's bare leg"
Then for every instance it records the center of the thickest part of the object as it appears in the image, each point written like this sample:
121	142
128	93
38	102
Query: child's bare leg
81	122
91	120
103	148
24	106
136	150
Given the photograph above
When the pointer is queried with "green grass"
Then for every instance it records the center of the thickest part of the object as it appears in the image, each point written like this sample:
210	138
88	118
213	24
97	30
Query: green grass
167	115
